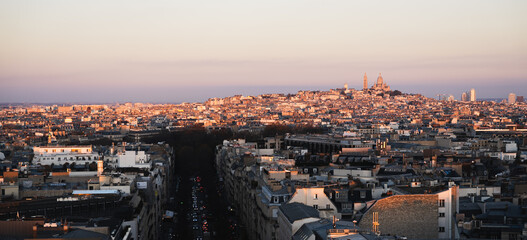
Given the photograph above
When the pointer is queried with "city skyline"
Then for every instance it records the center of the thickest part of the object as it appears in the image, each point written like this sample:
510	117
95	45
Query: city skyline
187	52
207	93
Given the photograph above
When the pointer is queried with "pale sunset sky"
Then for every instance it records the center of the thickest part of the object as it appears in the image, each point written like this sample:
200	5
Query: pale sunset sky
182	51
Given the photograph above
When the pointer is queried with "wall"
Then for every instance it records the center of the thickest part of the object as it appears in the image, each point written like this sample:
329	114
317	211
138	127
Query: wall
10	190
44	193
285	230
412	216
134	159
464	191
123	188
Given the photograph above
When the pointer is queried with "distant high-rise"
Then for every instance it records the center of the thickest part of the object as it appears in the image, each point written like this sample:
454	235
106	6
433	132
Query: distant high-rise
346	86
464	97
472	95
512	98
519	99
451	98
365	85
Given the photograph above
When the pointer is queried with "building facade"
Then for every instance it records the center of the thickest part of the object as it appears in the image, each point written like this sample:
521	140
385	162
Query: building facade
59	155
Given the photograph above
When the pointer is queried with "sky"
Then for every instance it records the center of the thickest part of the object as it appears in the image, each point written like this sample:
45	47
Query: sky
101	51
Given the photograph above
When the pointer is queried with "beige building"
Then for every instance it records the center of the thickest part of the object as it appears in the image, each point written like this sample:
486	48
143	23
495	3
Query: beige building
316	198
59	155
423	216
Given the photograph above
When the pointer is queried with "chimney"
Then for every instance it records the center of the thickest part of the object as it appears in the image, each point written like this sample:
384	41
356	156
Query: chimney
35	231
100	167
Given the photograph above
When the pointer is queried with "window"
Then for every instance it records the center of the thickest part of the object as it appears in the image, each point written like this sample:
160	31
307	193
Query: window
328	206
441	202
3	192
362	194
337	195
316	196
441	214
315	206
275	199
441	229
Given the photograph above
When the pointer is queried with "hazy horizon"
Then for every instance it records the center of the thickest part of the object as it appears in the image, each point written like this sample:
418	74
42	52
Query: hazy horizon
134	51
228	91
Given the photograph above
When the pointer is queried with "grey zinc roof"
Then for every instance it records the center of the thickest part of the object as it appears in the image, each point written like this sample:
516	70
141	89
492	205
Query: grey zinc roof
297	211
307	229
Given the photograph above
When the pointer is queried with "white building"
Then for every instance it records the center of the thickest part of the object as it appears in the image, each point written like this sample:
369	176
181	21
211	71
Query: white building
135	159
448	206
64	154
316	198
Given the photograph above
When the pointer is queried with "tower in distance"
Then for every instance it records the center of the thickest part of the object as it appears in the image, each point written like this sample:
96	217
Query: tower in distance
365	84
472	95
512	98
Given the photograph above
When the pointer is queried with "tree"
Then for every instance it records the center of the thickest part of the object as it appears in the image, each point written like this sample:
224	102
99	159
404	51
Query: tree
276	129
395	93
92	166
